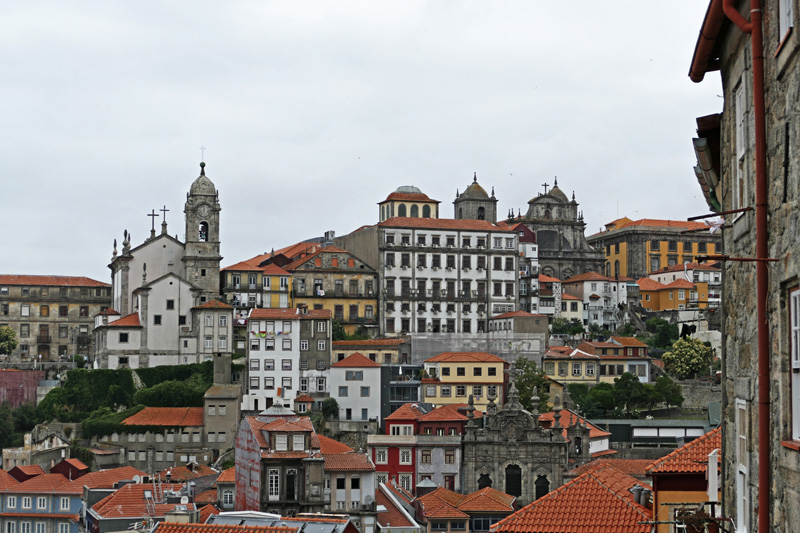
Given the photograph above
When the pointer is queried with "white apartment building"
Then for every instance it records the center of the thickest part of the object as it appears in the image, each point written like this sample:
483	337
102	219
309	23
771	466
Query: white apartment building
355	382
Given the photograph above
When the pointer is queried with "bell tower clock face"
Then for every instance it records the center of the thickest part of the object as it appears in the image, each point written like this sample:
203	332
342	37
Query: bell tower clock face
204	210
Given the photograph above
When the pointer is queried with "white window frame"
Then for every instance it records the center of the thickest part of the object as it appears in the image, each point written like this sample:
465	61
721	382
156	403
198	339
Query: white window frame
405	456
794	354
298	442
742	489
785	18
303	345
64	503
381	456
281	443
321	344
27	502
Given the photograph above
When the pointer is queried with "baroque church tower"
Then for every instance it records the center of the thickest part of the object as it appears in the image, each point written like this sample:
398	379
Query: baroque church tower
474	203
202	256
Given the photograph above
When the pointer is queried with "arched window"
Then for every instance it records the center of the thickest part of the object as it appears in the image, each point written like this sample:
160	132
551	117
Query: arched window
513	480
484	481
578	445
542	487
460	213
481	213
426	211
401	210
415	211
547	214
616	268
203	233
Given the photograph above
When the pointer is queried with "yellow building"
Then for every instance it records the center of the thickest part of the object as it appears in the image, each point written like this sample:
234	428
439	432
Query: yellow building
570	365
634	248
409	202
571	307
248	286
677	295
453	376
682	480
619	355
336	280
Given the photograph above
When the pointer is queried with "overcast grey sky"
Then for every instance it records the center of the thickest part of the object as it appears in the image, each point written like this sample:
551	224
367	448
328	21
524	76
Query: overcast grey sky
312	112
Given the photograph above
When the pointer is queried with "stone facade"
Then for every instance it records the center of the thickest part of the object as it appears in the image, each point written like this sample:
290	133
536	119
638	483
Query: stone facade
731	181
474	203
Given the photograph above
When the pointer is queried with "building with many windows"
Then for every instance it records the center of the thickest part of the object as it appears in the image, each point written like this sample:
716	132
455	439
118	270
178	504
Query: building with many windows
454	376
288	355
635	248
603	298
51	315
355	383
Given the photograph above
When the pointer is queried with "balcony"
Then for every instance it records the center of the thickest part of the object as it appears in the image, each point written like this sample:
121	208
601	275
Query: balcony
43	339
84	340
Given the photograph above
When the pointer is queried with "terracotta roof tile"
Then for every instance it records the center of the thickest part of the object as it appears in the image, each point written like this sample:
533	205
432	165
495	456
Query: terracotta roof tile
407	411
680	284
632	467
76	463
399	492
180	474
444	510
465	357
442	224
105	479
548	279
356	360
441	494
7	481
166	416
410	197
594	431
30	470
567	296
128	321
304	398
206	511
632	342
589	276
487	500
328	446
289	314
656	223
214	304
348	462
243	266
647	284
692	457
227	476
392	516
50	281
599	501
129	502
206	497
449	413
176	527
43	483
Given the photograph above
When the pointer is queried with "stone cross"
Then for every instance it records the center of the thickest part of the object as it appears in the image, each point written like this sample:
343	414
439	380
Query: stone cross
152	214
545	185
164	213
202	153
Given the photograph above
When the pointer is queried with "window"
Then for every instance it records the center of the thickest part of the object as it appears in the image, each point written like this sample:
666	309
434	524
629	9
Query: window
269	344
269	384
321	345
354	375
11	502
41	503
209	342
461	391
590	369
269	364
405	456
27	502
286	364
445	391
425	457
576	369
449	457
785	18
123	338
742	492
303	345
365	392
461	371
254	383
273	480
44	310
321	326
381	456
445	370
492	371
286	383
342	392
223	343
227	498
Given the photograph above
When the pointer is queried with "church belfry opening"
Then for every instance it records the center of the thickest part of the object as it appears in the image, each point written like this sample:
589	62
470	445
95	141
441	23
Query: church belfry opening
203	234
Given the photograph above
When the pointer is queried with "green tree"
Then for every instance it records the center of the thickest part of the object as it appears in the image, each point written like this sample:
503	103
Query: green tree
603	397
595	330
25	417
6	425
330	408
529	376
686	357
8	340
562	326
629	392
662	333
651	395
670	391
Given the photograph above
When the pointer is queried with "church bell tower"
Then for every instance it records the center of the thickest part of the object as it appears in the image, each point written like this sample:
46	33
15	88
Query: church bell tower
202	255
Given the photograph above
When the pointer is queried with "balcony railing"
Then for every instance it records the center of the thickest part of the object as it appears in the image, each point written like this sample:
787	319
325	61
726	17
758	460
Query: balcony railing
43	339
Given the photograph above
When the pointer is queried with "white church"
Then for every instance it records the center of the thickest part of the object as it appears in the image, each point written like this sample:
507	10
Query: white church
165	293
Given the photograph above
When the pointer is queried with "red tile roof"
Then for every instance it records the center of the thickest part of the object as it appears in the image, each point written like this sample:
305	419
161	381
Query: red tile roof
548	279
246	266
205	497
166	416
632	467
407	411
680	284
105	479
711	265
180	474
177	527
274	270
29	470
7	481
304	398
306	258
443	510
205	512
399	492
43	483
594	431
632	342
328	446
214	304
465	357
567	296
599	501
128	321
410	197
356	360
50	281
129	502
76	463
487	500
656	223
372	342
348	462
512	314
392	516
692	457
289	314
442	224
441	494
589	276
449	413
227	476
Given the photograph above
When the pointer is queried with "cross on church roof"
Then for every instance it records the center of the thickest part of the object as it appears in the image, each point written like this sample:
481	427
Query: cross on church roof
202	153
164	213
545	185
152	214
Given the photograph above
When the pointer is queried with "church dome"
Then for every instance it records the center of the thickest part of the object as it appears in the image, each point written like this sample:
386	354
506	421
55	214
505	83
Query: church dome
558	193
409	189
474	191
203	185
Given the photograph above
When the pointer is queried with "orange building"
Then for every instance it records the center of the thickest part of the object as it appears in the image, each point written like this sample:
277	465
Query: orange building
677	295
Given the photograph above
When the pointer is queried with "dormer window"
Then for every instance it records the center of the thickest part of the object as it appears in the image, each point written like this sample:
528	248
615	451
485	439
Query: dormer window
298	443
281	443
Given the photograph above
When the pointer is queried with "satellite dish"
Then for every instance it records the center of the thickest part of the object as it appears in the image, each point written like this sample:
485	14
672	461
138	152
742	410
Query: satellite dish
137	479
368	499
184	500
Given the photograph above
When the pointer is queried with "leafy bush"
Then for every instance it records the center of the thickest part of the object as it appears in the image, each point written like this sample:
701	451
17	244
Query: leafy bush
104	421
173	394
687	357
159	374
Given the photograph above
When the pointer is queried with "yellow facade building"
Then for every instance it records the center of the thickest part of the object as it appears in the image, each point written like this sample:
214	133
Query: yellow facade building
451	377
336	280
570	365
